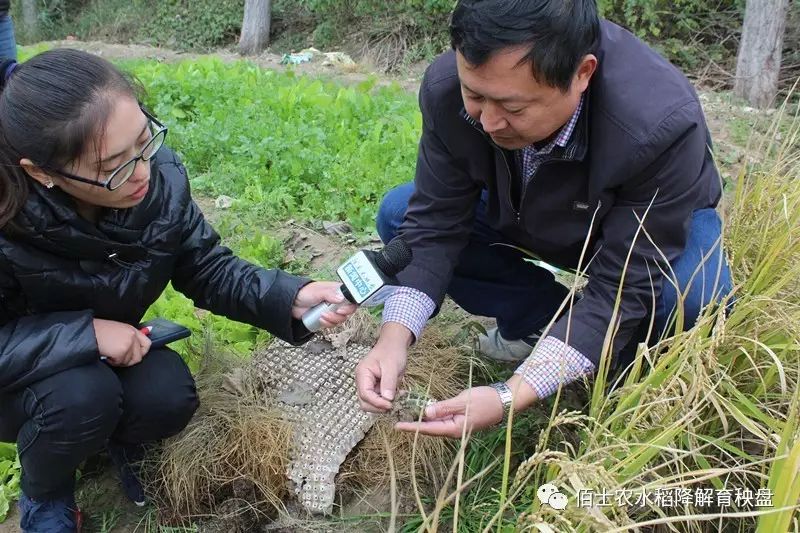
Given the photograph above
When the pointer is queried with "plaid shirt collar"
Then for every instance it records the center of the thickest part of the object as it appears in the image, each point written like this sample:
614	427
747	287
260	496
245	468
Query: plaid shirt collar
529	158
565	134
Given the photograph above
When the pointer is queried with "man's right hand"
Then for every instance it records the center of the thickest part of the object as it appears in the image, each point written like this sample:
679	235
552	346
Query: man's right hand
378	374
121	344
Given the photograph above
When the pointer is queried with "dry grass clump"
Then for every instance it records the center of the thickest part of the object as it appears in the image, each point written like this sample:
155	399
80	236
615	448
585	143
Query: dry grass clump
233	456
440	369
235	448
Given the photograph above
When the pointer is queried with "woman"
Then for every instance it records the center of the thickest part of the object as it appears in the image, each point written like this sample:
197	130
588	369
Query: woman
95	219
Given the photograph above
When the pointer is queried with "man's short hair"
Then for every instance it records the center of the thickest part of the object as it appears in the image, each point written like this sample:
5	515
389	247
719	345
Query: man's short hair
557	33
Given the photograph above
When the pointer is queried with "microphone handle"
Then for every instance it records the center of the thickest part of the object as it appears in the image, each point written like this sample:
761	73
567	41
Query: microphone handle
311	318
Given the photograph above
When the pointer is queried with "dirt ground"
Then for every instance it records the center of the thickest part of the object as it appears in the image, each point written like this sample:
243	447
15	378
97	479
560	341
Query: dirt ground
731	124
11	525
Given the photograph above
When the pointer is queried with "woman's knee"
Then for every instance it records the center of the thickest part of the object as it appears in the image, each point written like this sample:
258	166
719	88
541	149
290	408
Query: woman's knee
80	406
392	211
160	398
179	403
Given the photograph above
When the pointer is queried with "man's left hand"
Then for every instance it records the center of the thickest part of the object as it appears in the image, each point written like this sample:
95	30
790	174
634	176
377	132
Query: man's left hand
318	292
448	418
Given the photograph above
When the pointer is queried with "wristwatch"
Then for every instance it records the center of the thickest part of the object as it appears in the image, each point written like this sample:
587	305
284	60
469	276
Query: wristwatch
506	396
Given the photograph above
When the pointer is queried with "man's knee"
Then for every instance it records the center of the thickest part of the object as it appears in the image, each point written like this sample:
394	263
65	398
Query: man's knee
392	211
701	275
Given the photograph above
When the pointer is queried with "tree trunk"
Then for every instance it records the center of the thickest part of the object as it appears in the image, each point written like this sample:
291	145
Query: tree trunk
30	18
759	62
255	26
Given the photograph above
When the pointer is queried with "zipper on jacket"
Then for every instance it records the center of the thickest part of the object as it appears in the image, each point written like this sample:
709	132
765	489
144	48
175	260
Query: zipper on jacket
517	212
472	122
114	258
567	157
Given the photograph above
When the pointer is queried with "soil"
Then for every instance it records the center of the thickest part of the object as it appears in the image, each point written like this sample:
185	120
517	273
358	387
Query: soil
11	524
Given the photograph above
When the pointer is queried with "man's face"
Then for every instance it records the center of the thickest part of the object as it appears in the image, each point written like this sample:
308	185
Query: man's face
514	108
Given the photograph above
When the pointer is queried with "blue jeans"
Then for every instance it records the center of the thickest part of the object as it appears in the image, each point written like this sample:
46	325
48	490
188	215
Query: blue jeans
8	45
496	282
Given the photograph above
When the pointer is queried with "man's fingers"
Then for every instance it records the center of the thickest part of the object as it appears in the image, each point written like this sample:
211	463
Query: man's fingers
435	428
378	404
369	408
389	377
366	380
445	409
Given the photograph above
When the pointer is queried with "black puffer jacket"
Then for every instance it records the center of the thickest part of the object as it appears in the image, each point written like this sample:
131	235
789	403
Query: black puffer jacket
58	272
4	7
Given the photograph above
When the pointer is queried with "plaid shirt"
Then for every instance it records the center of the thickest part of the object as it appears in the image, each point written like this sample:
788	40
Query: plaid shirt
552	363
529	158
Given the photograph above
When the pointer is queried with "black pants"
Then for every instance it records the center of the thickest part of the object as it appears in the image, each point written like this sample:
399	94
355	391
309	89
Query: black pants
62	420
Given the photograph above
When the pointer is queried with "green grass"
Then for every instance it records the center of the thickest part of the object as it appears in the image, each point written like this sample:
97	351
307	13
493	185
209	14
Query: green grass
285	146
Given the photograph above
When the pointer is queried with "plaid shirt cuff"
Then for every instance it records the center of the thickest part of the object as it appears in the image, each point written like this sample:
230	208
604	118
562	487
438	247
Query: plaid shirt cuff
553	364
409	307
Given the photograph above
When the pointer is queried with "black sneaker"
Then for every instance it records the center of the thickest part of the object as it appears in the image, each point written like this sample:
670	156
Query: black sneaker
127	458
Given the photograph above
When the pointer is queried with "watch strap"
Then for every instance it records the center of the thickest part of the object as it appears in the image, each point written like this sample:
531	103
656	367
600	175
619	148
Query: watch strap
505	394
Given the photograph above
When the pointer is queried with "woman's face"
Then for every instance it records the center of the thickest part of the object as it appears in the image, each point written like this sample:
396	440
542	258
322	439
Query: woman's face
126	132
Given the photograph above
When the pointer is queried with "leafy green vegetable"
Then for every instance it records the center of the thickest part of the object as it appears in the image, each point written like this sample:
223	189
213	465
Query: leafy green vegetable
10	472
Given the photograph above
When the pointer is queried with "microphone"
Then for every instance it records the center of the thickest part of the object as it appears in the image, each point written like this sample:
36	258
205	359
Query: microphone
368	278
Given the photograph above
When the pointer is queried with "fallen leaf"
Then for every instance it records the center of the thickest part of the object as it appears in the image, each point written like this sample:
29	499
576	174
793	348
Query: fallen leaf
337	228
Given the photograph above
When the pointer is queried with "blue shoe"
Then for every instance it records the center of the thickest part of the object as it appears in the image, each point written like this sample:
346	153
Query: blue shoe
126	459
49	516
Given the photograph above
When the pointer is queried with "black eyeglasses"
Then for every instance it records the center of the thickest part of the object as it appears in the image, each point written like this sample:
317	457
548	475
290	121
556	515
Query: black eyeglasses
115	180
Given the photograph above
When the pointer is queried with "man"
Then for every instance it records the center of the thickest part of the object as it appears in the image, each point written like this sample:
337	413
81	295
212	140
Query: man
556	133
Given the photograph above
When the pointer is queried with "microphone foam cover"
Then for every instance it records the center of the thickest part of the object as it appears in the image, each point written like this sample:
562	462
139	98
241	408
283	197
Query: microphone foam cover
394	257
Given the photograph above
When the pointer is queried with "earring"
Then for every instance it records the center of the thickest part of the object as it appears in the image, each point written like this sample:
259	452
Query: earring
49	184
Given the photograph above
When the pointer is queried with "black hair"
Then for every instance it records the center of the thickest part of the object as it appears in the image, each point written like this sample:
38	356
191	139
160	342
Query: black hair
51	107
558	34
